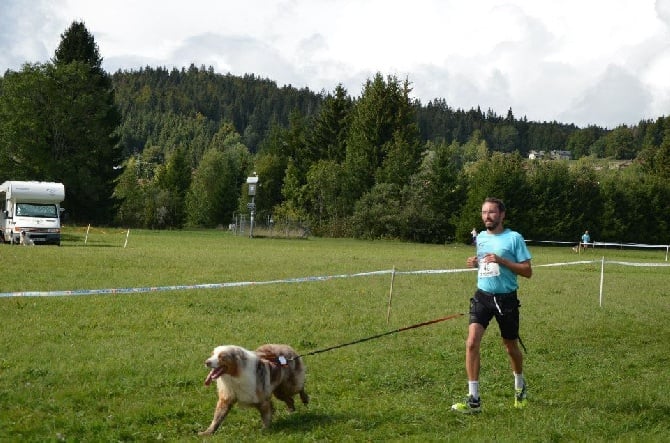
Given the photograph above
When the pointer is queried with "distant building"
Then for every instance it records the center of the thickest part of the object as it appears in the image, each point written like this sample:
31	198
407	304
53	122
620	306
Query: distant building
561	155
553	155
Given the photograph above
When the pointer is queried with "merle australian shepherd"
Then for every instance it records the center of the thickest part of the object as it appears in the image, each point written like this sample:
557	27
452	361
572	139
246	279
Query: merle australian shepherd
251	378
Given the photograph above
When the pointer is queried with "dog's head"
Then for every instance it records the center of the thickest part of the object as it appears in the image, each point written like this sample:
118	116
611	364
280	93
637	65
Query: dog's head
225	360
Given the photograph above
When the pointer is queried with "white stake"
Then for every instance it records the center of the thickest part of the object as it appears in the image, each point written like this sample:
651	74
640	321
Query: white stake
388	311
87	229
602	277
127	234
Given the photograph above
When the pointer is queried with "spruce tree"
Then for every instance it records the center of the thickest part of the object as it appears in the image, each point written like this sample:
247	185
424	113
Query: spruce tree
84	139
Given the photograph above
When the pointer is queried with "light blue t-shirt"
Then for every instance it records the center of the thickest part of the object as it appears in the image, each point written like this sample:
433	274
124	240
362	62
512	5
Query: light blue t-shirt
510	245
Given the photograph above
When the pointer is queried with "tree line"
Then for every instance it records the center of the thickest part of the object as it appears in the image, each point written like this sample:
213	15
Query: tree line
160	148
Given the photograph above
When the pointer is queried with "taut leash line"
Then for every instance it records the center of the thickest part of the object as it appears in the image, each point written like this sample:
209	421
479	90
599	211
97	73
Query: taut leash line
361	340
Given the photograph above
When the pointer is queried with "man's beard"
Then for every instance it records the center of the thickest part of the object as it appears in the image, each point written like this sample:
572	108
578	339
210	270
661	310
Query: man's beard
492	225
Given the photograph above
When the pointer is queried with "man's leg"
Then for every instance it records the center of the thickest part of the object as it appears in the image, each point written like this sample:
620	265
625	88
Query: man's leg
516	361
515	355
472	355
472	365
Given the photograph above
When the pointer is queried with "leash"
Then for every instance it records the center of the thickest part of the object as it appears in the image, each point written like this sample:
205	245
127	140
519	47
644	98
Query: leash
522	345
418	325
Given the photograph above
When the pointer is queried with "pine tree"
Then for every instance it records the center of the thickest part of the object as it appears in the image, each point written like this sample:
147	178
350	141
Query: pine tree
175	180
383	144
331	126
78	45
82	125
662	158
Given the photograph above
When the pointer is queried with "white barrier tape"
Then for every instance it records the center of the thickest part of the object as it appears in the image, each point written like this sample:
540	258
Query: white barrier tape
181	287
598	243
631	245
581	262
552	241
436	271
624	263
115	291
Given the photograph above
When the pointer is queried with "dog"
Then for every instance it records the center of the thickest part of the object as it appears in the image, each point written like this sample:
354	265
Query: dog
25	239
251	378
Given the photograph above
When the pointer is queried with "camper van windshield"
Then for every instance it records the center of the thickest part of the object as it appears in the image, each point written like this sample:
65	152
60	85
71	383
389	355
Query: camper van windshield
36	210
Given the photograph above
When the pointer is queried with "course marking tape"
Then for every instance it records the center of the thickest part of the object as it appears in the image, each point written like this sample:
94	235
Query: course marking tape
288	280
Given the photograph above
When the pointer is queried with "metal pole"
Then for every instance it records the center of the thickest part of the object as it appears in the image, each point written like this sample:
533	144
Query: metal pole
251	221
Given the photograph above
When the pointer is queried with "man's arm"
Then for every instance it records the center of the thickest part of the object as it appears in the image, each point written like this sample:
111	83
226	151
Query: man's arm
524	268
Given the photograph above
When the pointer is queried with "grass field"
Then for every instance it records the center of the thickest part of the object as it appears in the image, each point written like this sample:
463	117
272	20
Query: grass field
129	367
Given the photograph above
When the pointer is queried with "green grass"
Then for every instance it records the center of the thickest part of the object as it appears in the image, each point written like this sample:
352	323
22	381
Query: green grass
129	367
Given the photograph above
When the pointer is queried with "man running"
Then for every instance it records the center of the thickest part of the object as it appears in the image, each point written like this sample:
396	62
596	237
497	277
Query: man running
502	255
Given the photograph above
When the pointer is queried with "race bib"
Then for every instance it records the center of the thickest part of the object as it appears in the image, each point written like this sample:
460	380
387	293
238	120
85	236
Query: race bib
487	270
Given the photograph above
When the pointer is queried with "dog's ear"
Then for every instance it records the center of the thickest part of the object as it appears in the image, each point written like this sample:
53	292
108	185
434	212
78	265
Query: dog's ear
238	354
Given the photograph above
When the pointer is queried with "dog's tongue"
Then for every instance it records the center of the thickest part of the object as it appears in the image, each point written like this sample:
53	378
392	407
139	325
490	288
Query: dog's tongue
210	377
214	373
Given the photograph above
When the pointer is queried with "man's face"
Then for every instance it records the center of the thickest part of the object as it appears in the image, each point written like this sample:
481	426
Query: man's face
491	216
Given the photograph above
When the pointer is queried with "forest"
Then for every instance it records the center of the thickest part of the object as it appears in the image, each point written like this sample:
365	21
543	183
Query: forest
171	149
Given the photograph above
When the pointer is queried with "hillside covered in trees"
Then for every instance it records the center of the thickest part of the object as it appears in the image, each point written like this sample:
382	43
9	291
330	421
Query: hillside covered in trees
378	165
179	144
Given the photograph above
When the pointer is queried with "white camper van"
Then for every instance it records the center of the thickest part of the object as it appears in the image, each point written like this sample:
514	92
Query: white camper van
31	212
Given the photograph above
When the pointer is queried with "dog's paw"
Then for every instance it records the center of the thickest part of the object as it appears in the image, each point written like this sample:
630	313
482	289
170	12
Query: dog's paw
304	398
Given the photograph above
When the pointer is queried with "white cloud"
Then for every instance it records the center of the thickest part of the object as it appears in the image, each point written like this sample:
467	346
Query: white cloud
26	33
615	94
576	61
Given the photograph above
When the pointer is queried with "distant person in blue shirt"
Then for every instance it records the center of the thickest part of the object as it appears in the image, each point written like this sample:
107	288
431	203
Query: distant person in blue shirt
586	239
502	255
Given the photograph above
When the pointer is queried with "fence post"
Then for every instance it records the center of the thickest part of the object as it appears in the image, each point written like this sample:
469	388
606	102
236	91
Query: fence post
388	311
602	277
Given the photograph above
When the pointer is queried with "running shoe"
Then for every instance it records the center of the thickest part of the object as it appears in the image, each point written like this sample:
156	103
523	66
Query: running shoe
469	406
520	397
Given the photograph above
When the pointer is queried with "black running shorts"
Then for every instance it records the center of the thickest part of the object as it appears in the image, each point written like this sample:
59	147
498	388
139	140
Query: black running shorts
504	307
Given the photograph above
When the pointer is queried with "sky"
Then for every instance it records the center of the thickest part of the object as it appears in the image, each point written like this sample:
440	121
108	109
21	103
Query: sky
587	62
